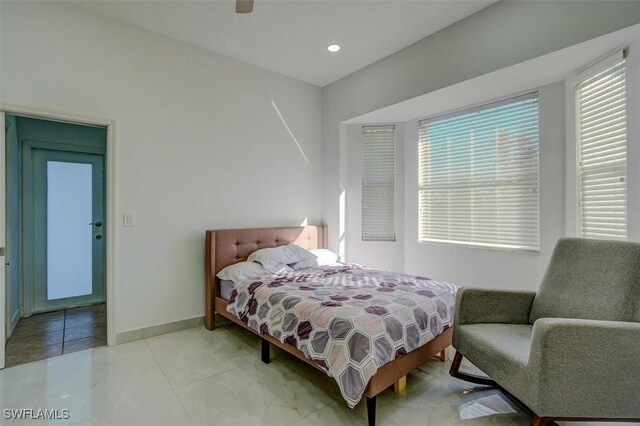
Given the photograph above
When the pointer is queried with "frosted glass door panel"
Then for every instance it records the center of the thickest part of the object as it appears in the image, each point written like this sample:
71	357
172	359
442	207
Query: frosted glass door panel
69	239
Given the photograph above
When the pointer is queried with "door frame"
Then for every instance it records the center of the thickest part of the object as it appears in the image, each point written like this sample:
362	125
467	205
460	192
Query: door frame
111	210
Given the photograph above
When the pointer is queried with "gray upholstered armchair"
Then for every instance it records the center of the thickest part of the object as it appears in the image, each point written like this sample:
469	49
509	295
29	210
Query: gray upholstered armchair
571	351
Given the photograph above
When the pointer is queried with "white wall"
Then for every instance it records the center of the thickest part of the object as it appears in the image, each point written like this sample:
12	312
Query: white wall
498	37
494	268
459	264
501	35
388	255
199	143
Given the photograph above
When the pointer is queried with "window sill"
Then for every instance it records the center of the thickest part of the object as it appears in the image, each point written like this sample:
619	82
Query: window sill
481	246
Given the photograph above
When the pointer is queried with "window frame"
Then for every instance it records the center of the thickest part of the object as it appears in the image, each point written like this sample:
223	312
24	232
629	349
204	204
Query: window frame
394	238
467	110
584	74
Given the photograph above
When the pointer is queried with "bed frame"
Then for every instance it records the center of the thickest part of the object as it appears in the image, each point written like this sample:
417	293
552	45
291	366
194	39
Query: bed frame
228	246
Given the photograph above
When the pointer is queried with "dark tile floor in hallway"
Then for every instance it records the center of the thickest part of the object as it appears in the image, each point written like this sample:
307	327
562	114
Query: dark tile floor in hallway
55	333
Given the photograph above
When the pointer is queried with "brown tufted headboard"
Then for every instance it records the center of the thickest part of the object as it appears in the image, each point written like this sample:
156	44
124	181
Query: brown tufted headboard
225	247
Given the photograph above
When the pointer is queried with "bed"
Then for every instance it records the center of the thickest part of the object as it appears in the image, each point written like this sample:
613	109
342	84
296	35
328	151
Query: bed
230	246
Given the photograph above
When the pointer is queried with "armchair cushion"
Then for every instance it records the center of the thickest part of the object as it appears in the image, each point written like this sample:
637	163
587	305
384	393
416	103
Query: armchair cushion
590	279
500	350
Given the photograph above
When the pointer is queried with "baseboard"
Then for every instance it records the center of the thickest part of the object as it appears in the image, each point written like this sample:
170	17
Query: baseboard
157	330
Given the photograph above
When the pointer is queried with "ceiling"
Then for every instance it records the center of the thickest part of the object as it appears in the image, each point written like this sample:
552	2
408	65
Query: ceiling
290	36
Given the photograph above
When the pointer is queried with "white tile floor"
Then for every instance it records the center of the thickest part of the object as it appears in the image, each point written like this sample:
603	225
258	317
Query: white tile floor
197	377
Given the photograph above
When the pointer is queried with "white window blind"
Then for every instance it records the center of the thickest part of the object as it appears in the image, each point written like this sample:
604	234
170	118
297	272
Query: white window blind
378	183
601	106
478	176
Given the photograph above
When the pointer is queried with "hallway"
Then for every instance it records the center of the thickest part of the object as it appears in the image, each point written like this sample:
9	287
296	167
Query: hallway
55	333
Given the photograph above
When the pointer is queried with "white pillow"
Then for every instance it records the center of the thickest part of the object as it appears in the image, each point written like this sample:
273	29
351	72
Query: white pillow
325	257
321	257
276	259
242	271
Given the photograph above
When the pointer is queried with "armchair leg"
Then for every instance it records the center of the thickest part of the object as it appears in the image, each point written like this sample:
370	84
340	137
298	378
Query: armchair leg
455	372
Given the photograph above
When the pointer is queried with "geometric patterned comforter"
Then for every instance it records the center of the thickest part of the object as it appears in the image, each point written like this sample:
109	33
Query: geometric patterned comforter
349	319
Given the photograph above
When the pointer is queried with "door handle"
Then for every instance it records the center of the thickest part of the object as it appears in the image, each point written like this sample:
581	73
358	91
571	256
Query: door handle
97	224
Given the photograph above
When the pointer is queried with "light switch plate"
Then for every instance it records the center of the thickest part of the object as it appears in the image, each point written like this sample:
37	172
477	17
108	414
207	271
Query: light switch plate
129	220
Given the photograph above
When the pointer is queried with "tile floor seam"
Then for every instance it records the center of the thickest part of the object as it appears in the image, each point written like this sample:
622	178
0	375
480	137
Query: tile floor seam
122	406
213	375
173	390
164	374
183	407
314	412
319	408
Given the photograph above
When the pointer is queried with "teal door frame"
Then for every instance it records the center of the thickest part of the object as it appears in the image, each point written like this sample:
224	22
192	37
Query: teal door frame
41	280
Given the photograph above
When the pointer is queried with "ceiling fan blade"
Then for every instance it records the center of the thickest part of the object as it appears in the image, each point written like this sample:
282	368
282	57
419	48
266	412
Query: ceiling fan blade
244	6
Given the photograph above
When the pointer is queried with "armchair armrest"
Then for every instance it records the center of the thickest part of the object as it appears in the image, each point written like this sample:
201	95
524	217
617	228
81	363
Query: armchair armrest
587	341
587	367
475	306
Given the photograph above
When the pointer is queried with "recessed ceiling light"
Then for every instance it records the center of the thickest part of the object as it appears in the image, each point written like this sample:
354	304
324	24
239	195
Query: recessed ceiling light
333	47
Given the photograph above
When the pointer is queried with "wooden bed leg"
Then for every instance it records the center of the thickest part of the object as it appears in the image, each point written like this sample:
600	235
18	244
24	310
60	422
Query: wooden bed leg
210	321
266	351
401	385
445	354
371	410
210	287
